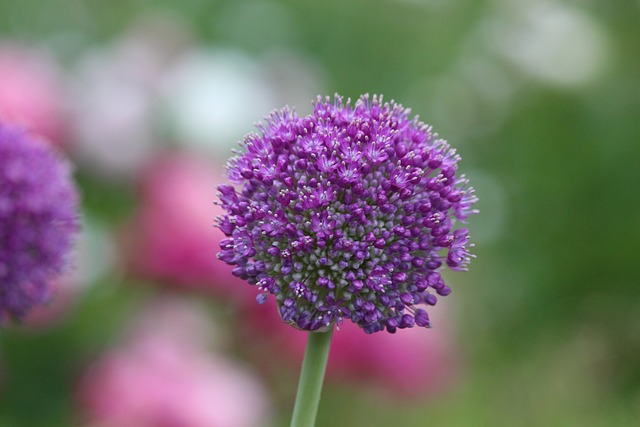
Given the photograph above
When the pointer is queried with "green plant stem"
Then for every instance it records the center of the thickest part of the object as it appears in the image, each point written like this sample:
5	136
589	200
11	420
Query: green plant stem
311	378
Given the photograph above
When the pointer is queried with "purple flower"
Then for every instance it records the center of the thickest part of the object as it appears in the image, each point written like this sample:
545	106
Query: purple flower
38	220
347	213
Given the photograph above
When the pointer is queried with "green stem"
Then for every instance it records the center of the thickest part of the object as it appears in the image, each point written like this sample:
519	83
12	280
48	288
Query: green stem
311	378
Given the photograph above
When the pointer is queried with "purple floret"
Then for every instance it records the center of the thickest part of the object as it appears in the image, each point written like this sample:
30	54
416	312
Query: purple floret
38	220
347	213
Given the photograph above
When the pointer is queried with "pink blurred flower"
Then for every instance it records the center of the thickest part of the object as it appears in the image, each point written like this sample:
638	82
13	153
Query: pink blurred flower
30	91
410	363
172	238
164	377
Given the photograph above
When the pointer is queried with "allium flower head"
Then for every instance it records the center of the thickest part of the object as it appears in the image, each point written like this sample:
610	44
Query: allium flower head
38	220
347	213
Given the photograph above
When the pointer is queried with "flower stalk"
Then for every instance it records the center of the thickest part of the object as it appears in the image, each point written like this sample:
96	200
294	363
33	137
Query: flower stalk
311	379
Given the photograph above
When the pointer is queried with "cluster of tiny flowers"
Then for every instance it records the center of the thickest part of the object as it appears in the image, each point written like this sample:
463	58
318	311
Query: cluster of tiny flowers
347	213
38	220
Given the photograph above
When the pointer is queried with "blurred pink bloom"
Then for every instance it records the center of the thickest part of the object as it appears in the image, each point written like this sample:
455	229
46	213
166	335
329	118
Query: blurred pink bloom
411	363
172	238
30	91
163	377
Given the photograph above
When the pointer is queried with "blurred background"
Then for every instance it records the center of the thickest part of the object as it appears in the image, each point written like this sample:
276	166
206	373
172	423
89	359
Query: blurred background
542	100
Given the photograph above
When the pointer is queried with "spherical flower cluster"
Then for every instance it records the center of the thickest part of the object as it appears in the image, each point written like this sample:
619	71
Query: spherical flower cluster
38	220
347	213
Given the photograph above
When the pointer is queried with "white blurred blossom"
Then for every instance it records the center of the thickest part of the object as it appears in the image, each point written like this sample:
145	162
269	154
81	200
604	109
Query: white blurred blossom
152	87
113	95
554	42
212	98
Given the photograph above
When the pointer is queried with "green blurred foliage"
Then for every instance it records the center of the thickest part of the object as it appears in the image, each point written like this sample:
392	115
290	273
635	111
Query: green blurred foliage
547	317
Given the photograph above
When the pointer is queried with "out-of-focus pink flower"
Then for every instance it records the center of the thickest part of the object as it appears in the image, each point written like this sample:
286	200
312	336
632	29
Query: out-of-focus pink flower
30	92
411	363
172	239
162	378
